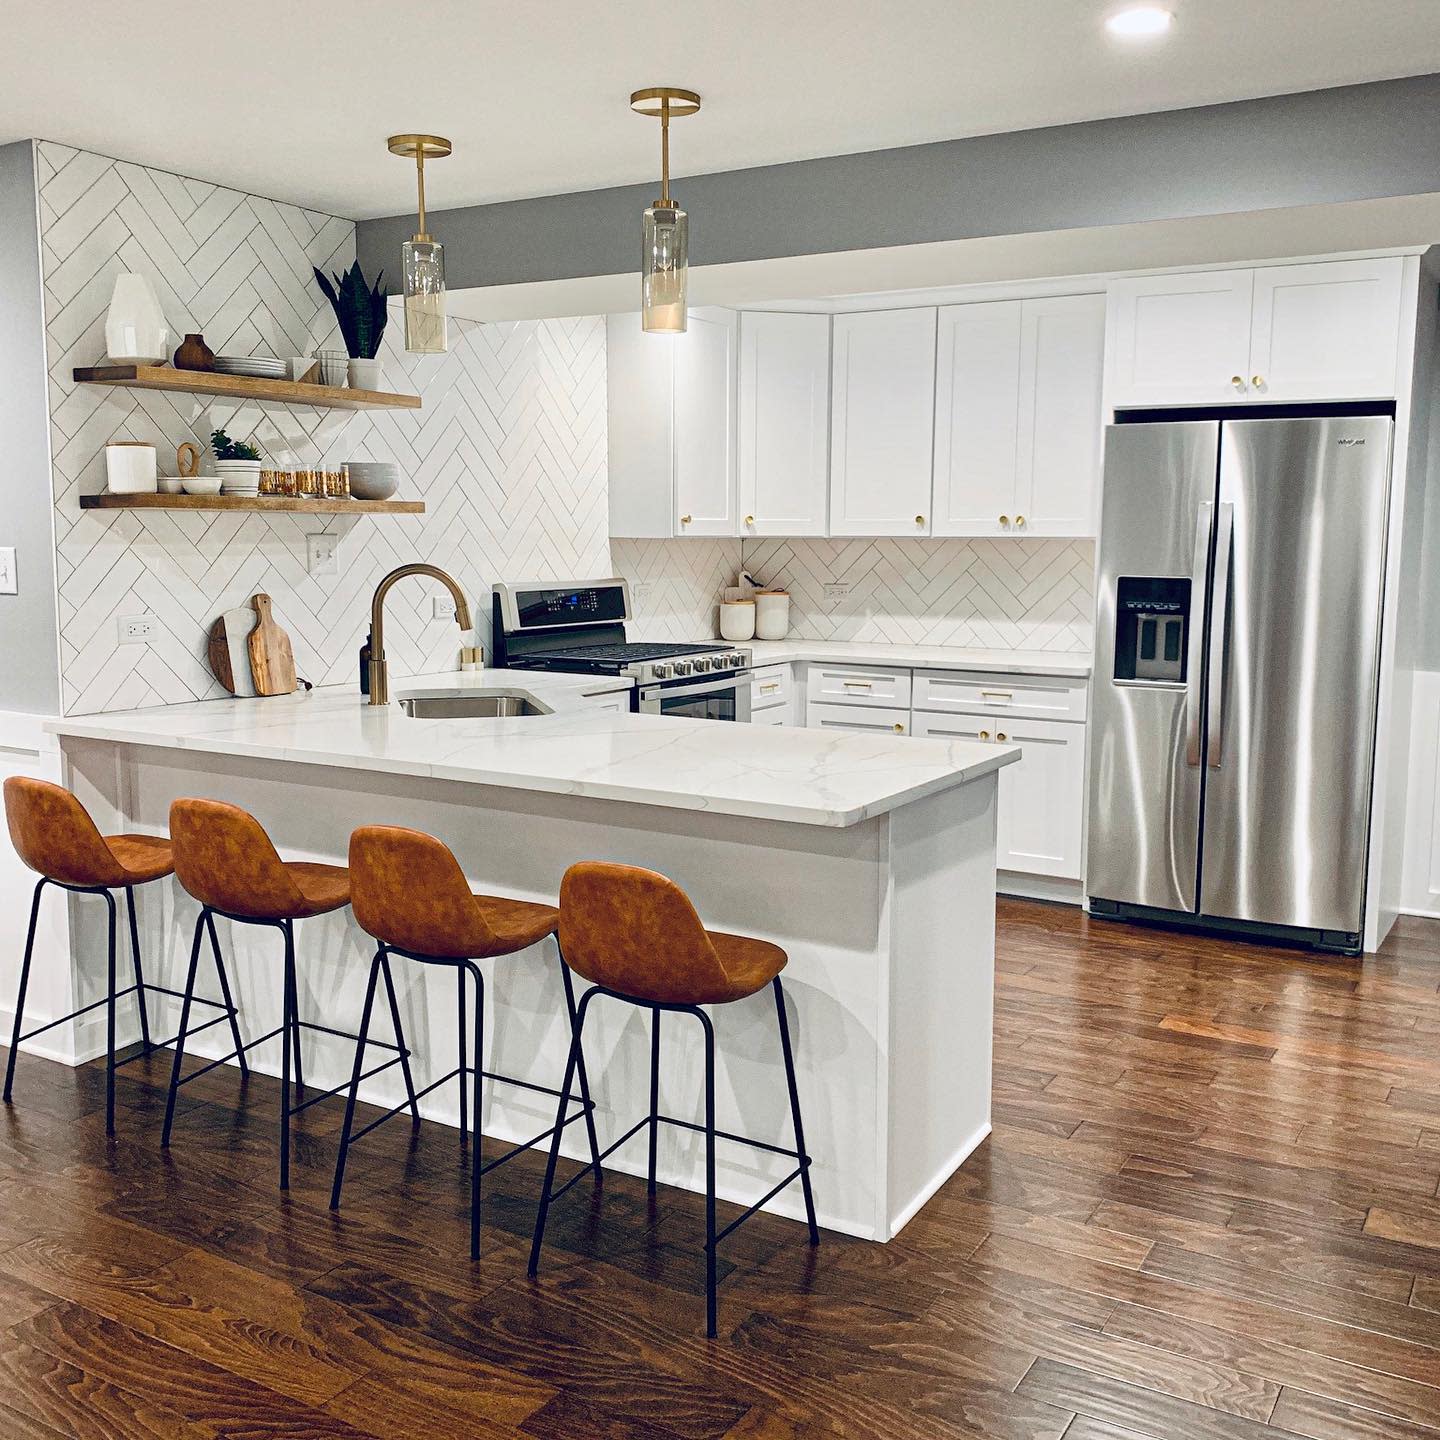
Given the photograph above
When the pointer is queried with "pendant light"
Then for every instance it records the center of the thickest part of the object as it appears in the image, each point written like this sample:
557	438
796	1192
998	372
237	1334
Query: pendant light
665	249
422	259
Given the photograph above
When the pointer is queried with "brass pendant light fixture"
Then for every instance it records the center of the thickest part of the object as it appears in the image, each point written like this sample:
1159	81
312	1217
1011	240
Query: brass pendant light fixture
422	258
665	250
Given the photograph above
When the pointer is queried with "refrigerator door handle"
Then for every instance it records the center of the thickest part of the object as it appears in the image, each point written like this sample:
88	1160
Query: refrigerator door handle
1219	622
1204	525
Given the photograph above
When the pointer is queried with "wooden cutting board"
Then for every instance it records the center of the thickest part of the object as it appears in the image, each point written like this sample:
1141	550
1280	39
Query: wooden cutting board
230	650
272	661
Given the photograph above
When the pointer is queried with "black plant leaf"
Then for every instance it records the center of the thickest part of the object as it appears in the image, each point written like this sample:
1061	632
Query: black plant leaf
360	310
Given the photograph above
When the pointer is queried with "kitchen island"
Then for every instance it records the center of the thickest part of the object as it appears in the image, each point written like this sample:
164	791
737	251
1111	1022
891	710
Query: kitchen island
870	859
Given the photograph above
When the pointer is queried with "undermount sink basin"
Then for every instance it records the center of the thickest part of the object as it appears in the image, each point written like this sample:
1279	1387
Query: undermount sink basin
492	705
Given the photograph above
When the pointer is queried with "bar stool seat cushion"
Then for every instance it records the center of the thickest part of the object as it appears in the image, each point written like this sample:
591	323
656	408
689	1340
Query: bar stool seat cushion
322	887
635	931
55	836
515	923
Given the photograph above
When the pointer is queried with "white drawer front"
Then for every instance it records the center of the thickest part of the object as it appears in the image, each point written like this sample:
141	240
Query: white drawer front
867	719
858	685
775	715
1031	697
771	685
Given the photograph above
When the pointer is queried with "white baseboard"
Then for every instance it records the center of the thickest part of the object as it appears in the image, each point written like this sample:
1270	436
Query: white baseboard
927	1191
1039	887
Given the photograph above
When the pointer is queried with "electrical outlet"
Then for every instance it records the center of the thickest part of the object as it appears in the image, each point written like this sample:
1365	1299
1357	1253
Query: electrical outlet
837	589
442	607
8	583
641	592
137	629
322	554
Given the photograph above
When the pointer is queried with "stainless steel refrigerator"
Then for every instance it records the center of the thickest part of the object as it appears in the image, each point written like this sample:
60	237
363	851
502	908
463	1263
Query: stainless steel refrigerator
1240	575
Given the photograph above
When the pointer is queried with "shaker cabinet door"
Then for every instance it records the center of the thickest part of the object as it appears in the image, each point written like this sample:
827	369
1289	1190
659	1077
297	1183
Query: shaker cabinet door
705	470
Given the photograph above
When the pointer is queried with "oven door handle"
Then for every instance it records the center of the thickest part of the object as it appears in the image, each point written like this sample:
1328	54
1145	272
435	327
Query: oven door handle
731	680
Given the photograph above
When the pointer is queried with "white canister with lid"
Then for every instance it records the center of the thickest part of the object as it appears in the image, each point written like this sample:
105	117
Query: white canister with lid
130	467
772	614
737	619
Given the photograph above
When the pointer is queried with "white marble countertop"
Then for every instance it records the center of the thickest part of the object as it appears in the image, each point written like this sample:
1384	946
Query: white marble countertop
1076	664
810	777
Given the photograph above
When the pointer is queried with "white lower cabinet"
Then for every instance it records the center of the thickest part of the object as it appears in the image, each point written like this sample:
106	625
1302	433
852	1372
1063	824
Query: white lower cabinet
772	695
866	719
1042	796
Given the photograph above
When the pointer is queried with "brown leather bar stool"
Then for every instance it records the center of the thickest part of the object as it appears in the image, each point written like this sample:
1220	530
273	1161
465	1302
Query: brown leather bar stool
635	935
55	836
224	858
409	892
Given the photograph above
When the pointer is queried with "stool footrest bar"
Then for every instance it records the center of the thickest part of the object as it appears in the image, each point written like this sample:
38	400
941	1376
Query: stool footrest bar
340	1089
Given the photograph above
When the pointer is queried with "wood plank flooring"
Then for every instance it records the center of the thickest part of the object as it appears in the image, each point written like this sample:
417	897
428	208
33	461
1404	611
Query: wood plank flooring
1208	1212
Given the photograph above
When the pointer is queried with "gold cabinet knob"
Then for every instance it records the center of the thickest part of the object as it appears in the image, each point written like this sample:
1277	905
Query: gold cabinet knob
749	519
1019	522
1004	519
1258	381
684	519
919	519
899	727
1001	735
984	734
1238	381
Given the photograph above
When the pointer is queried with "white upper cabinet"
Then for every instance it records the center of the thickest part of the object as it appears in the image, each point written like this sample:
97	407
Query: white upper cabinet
705	471
1325	332
882	422
671	412
1018	416
784	423
977	418
1180	339
1062	375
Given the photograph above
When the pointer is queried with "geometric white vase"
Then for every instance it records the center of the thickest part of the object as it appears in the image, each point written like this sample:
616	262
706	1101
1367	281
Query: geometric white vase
135	328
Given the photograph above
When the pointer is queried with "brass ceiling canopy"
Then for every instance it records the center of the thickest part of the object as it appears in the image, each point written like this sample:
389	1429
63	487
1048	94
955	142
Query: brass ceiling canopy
655	100
412	147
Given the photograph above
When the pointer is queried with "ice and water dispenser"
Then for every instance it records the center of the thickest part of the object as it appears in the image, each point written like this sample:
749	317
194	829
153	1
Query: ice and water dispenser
1152	621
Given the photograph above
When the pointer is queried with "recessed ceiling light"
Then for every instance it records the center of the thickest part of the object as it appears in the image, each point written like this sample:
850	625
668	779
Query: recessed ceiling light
1139	22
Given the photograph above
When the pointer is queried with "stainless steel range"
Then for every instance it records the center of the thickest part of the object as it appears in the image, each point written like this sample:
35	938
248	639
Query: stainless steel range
579	627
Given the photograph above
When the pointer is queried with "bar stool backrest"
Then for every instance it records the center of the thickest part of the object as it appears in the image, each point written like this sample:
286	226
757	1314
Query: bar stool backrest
55	836
636	932
407	890
224	858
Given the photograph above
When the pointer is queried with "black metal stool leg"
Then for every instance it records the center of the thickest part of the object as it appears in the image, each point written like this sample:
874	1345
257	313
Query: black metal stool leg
464	1042
580	1068
200	921
229	999
795	1112
654	1093
400	1038
110	1014
360	1039
298	1062
571	1063
287	1040
475	1165
20	996
710	1305
139	972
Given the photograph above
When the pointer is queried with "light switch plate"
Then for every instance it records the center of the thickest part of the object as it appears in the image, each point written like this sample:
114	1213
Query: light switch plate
9	583
322	554
641	592
837	589
442	607
137	629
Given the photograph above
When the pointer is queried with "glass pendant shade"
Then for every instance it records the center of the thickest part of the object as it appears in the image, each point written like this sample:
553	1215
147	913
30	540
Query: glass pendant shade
664	268
423	268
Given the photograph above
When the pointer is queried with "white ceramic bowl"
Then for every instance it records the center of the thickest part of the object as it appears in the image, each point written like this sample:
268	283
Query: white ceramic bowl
373	479
171	484
202	485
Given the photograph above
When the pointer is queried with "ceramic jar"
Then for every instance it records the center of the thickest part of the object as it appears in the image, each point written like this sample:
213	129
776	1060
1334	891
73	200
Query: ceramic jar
135	328
130	467
772	614
737	619
194	354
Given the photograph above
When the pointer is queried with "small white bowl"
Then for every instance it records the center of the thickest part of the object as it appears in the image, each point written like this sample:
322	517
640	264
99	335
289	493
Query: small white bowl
170	484
202	484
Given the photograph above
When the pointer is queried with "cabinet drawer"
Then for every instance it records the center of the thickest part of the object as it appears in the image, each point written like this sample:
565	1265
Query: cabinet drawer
1032	697
771	685
868	719
775	715
858	685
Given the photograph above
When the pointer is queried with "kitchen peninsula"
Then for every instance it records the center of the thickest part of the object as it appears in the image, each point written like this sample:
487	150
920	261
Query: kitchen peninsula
870	859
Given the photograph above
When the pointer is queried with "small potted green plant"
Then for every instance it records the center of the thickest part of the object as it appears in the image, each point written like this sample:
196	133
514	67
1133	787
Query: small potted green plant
238	464
361	312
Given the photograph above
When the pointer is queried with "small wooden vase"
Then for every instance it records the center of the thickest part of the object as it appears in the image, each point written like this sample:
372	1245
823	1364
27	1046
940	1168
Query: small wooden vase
194	354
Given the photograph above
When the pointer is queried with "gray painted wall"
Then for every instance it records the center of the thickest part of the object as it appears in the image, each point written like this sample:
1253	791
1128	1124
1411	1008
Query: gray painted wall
29	644
1358	142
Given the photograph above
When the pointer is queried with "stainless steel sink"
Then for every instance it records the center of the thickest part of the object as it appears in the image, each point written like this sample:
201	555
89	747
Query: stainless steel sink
487	706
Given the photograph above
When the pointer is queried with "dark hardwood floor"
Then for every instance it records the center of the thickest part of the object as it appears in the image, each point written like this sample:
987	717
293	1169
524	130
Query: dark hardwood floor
1208	1210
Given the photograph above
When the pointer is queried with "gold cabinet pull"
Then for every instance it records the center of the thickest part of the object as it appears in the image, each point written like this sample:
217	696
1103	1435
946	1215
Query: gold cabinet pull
684	519
919	519
1001	735
749	519
1019	522
984	734
1258	381
1237	381
899	727
1004	519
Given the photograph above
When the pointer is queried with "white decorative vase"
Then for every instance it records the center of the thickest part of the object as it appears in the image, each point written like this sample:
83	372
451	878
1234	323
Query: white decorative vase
238	477
135	328
366	375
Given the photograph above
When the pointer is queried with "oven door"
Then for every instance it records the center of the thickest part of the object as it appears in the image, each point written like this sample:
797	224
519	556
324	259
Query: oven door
722	697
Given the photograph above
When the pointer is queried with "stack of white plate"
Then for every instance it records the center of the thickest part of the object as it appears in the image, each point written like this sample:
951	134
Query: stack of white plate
261	367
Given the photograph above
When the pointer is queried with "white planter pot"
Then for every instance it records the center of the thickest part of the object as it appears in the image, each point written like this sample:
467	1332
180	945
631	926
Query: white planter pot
135	328
366	375
238	477
130	467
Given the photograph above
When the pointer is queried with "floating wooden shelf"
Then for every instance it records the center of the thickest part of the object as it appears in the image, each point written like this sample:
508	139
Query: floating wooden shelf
242	387
303	504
